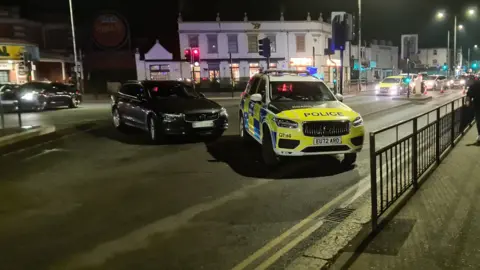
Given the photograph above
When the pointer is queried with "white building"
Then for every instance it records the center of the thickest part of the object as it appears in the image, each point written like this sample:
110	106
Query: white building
294	44
379	60
433	57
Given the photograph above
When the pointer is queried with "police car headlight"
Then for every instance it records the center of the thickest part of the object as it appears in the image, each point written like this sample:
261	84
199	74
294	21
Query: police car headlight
223	112
285	123
358	121
377	87
171	117
394	88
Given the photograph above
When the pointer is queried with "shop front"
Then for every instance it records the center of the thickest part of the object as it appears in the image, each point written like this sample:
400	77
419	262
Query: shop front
301	64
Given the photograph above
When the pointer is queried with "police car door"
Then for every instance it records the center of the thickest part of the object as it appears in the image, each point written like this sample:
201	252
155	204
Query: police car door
259	112
249	107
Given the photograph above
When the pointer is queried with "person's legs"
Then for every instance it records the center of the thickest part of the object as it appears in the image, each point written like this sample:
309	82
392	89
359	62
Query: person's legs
477	120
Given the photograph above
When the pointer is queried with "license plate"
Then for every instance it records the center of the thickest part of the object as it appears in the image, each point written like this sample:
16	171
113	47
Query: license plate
327	141
202	124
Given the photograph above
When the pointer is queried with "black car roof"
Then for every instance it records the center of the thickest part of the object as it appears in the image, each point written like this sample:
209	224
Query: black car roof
163	83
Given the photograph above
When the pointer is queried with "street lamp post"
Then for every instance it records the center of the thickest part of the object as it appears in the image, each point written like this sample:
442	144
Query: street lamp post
448	53
359	45
75	59
455	45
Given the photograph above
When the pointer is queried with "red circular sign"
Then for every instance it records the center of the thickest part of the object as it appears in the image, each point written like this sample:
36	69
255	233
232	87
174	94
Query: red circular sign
109	30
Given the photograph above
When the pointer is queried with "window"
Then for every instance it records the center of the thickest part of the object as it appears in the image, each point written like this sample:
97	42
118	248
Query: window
212	41
254	68
232	43
273	43
300	41
252	43
254	85
130	89
434	61
434	52
193	40
235	69
3	76
262	88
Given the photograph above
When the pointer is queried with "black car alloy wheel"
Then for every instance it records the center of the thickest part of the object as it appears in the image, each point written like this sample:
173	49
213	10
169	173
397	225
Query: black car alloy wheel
152	128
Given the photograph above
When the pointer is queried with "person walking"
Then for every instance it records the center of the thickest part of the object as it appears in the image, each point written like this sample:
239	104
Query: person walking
473	100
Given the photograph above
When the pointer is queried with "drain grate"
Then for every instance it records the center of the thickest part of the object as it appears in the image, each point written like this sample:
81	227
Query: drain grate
339	214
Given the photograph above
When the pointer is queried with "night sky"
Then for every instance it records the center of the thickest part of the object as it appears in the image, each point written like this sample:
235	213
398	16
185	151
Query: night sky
382	19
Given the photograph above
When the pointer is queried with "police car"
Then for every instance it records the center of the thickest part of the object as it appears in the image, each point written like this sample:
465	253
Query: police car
294	114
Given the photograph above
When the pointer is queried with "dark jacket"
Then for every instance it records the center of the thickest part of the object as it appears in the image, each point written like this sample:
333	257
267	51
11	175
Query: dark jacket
474	93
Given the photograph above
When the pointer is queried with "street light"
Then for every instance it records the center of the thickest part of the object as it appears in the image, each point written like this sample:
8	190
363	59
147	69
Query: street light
471	12
475	46
440	15
460	27
75	59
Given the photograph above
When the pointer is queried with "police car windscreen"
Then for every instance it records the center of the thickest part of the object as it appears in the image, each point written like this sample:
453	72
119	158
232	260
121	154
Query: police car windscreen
300	91
391	80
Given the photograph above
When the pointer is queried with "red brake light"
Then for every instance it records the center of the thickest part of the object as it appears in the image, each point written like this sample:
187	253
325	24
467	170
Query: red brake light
195	51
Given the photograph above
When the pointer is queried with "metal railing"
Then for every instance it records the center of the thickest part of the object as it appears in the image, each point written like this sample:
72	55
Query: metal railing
402	153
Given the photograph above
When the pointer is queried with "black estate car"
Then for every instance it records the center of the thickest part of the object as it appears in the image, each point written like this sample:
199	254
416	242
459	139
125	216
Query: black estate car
42	95
164	108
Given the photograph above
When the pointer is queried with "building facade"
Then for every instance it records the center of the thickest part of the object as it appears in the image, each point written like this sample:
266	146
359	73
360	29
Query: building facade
379	60
49	47
230	50
433	57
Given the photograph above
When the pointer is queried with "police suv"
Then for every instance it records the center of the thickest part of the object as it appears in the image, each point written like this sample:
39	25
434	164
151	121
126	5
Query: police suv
291	113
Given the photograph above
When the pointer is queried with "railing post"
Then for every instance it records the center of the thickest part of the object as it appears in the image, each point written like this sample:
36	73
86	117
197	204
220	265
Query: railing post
373	181
414	154
437	138
462	117
452	131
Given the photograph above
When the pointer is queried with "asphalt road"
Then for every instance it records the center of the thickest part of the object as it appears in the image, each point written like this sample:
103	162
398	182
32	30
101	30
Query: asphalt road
101	199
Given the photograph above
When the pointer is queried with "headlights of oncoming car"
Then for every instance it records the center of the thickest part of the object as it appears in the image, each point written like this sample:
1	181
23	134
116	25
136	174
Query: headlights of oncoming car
377	87
358	121
462	81
223	112
285	123
28	96
168	117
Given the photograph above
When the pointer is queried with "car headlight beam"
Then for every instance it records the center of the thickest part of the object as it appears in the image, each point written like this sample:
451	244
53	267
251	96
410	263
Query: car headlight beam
168	117
28	96
358	121
223	112
285	123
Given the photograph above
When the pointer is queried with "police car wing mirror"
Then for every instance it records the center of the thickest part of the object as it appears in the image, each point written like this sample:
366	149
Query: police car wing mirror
202	95
339	97
256	97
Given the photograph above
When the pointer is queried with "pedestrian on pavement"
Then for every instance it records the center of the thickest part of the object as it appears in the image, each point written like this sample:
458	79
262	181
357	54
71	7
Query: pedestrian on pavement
473	100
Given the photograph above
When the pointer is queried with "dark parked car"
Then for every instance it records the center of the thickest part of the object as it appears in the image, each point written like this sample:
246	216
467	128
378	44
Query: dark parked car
43	95
165	108
8	96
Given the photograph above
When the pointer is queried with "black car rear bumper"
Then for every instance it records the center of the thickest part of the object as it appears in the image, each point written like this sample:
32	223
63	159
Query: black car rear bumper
182	127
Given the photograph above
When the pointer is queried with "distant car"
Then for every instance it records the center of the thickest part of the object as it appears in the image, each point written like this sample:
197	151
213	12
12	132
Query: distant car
9	97
435	82
164	108
391	86
458	82
39	96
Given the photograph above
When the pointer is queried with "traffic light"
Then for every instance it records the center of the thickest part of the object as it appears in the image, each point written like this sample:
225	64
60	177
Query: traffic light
445	67
196	55
264	47
475	65
188	55
342	29
329	50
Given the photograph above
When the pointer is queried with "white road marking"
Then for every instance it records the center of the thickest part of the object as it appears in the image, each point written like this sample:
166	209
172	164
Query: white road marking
45	152
139	238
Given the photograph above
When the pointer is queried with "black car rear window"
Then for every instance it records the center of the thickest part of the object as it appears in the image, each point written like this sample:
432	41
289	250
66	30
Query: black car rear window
170	89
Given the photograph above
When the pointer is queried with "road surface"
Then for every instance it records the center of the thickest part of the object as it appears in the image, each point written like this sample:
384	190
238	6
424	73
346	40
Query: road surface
101	199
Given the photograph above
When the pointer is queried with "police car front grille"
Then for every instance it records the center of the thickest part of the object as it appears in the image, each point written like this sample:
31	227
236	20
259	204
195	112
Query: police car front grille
326	128
200	116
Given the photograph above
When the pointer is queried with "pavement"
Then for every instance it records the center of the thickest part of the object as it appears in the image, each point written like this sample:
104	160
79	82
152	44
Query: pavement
439	227
101	199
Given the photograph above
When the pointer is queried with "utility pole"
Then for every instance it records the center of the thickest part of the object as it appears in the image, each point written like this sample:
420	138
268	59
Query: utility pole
313	55
75	59
468	56
359	45
448	53
231	73
341	71
455	45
